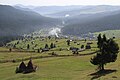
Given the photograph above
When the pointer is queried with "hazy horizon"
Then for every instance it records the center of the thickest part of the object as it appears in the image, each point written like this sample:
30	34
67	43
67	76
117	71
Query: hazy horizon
59	2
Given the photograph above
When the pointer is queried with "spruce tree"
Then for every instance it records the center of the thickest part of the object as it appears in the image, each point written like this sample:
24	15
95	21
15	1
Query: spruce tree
108	53
54	45
46	46
28	46
51	45
99	43
104	38
68	42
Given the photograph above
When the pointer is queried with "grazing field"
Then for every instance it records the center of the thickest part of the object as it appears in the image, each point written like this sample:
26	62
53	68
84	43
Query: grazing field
71	67
110	33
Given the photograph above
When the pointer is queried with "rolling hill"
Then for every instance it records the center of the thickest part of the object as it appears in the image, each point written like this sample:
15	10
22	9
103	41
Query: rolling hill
15	22
107	22
73	12
46	10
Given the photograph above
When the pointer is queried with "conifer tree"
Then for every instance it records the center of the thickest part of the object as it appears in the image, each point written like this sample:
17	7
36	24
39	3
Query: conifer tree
51	45
46	46
108	52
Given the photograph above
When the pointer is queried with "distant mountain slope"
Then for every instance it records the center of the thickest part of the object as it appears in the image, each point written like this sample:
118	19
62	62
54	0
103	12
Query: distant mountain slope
85	10
15	22
110	22
22	8
44	10
85	18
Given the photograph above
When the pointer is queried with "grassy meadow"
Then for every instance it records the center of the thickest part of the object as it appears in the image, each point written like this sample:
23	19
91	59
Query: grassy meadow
110	33
75	67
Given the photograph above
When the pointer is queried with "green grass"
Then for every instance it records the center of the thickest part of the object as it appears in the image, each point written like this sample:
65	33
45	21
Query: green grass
41	44
110	33
62	68
57	68
60	44
50	69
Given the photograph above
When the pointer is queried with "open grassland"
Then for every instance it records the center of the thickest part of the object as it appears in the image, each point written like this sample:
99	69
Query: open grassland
110	33
38	43
24	53
60	68
57	68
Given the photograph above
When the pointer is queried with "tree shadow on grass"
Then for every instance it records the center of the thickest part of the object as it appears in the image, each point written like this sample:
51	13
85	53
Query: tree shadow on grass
98	74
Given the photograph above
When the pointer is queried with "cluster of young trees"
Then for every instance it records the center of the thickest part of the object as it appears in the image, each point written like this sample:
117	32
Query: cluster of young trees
108	50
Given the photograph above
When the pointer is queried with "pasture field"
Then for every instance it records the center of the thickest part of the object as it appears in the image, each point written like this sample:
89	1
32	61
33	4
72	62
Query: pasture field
110	33
74	67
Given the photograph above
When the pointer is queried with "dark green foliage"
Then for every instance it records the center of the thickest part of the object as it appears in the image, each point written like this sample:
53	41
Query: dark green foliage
108	53
51	45
49	37
28	46
104	38
85	40
46	46
68	42
17	42
54	45
36	45
53	54
38	50
113	37
75	42
10	49
82	46
99	41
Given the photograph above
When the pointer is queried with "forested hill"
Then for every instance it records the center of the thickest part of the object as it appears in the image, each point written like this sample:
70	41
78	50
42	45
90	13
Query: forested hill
15	22
110	22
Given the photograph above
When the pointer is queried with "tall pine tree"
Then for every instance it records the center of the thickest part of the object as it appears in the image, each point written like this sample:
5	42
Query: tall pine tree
108	52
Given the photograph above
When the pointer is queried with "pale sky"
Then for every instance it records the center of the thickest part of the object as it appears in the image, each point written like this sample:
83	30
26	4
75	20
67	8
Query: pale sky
60	2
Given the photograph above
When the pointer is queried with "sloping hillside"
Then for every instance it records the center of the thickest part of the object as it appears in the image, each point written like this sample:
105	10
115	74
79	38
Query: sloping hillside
84	10
109	22
15	22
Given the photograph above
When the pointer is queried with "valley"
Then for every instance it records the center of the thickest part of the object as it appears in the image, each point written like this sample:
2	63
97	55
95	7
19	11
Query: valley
71	42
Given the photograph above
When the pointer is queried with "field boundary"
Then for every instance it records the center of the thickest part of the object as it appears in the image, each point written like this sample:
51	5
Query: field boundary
40	57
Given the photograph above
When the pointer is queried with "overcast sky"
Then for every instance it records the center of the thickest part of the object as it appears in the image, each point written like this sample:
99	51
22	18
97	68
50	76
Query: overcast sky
60	2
